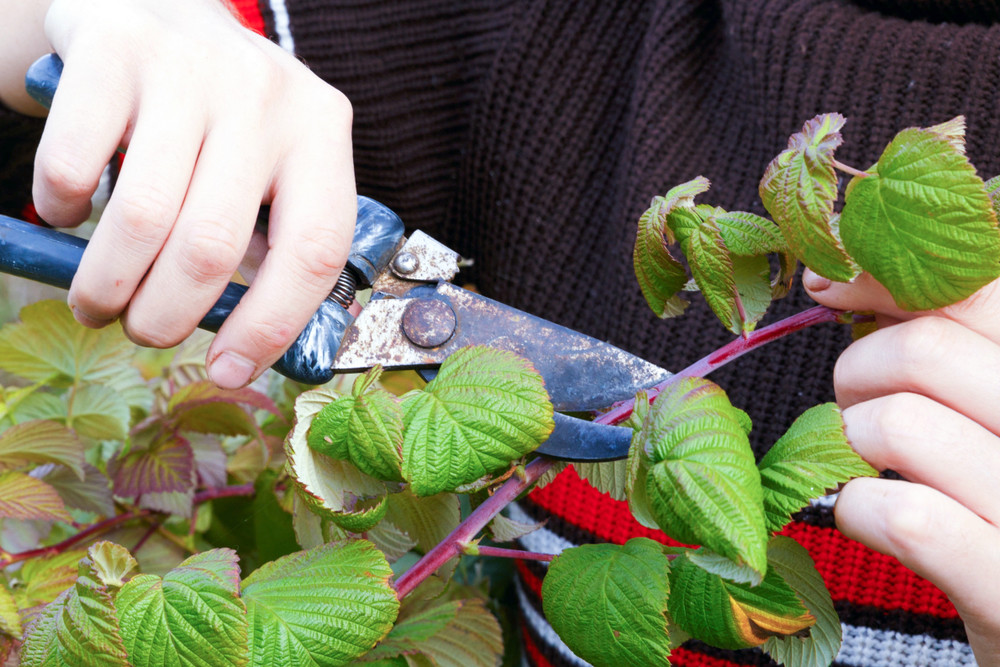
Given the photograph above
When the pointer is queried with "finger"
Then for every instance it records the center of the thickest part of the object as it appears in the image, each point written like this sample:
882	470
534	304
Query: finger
919	357
310	231
980	312
142	210
911	434
205	245
934	536
88	118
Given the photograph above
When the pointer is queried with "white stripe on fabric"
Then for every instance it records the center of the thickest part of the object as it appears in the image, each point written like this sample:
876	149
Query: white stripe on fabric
542	540
869	647
825	502
544	631
282	25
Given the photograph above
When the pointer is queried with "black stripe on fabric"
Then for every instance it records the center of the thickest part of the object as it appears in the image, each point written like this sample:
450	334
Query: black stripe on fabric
268	15
898	620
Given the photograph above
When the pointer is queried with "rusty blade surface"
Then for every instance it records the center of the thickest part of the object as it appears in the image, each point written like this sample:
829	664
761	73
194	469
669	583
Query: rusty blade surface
581	372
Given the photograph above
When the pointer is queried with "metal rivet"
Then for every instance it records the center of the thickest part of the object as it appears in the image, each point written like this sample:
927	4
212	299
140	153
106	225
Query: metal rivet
405	263
429	322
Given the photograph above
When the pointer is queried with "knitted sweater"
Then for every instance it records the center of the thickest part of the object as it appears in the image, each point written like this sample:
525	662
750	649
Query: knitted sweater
530	135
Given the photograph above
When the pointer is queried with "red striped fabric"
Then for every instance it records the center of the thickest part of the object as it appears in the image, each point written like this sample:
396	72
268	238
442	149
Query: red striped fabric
853	572
249	11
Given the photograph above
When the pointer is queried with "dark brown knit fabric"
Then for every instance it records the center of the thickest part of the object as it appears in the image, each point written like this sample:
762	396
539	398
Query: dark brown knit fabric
19	137
531	134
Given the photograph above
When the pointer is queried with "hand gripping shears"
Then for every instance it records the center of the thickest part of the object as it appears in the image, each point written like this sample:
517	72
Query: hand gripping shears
415	317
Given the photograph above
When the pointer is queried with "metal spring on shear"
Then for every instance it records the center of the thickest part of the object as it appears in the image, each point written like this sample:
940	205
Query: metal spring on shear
347	284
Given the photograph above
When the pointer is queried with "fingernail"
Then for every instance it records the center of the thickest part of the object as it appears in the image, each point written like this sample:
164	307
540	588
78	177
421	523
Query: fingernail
814	282
231	371
88	321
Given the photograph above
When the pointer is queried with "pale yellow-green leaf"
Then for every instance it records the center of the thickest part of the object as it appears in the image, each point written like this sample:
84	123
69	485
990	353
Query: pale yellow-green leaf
41	442
24	497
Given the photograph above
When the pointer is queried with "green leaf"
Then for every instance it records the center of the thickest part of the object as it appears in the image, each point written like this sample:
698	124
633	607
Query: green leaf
792	563
275	535
637	466
37	405
41	442
503	529
736	287
328	485
427	520
48	345
365	428
799	188
993	190
10	621
164	465
747	234
812	458
608	477
24	497
922	223
712	562
608	602
702	485
204	408
98	412
730	615
362	516
192	616
485	408
393	541
661	276
953	130
112	563
347	606
79	628
447	633
41	580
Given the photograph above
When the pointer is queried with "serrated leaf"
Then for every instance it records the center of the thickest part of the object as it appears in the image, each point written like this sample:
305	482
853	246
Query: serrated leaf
112	563
273	526
180	503
192	616
445	633
206	393
638	465
48	345
347	607
391	540
204	408
737	288
363	516
209	459
10	621
98	412
38	405
24	497
365	428
703	486
427	520
503	529
922	223
713	563
661	276
608	602
810	459
789	560
731	615
748	234
41	580
41	442
79	628
993	190
799	188
608	477
953	130
486	408
328	485
164	465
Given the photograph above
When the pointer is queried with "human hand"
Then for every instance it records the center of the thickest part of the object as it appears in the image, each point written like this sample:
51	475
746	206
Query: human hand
920	396
216	120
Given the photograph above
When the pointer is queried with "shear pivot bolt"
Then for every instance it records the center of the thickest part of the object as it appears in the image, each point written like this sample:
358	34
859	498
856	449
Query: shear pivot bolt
429	322
405	263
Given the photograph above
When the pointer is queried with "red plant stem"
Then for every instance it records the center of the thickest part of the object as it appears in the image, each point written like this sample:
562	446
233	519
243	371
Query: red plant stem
468	529
105	525
847	169
732	350
517	554
512	488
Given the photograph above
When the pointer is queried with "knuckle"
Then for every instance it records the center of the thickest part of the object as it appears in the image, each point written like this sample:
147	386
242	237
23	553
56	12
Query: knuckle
269	337
921	343
898	419
97	303
210	253
916	522
145	332
63	176
318	258
146	216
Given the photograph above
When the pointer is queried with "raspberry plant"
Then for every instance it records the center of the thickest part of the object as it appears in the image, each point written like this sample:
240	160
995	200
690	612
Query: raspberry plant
134	495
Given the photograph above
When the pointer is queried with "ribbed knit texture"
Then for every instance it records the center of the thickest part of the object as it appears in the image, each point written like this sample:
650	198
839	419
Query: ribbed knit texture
529	135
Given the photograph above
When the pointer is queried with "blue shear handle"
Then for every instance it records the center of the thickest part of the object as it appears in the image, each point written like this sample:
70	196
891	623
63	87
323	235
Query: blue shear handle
51	257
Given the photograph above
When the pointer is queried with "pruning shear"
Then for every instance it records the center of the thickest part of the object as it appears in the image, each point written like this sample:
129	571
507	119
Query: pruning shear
415	317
